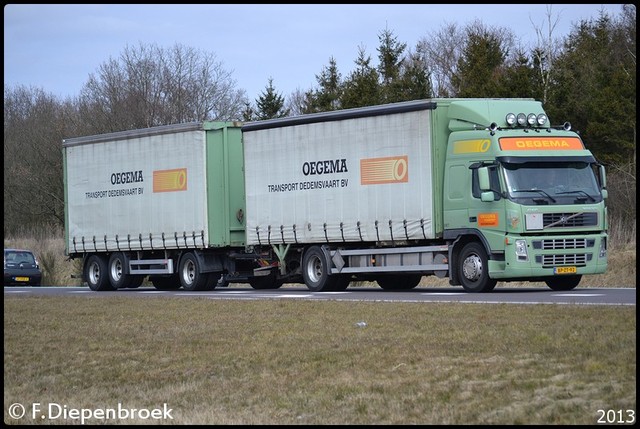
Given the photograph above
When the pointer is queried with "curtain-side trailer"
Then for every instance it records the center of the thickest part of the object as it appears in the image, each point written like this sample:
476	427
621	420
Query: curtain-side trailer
479	190
476	190
164	202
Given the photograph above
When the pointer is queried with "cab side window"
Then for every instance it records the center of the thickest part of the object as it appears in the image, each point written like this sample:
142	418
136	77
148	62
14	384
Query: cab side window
493	179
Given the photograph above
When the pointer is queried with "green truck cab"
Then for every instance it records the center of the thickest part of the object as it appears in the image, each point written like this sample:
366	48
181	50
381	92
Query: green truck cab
522	200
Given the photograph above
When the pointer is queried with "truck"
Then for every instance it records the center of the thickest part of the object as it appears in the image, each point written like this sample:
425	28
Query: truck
478	191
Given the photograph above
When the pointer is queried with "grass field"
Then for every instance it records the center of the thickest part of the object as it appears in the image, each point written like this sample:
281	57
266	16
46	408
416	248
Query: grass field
66	360
305	362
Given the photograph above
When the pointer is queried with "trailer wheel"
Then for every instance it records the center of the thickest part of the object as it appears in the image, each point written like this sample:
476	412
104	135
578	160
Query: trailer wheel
563	283
399	282
473	269
116	269
95	274
315	271
191	278
136	281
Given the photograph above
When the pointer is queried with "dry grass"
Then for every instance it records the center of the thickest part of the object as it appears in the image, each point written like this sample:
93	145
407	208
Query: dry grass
306	362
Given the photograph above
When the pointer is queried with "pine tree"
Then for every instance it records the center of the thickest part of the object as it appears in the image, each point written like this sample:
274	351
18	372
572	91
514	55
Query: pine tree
390	56
270	104
327	96
362	87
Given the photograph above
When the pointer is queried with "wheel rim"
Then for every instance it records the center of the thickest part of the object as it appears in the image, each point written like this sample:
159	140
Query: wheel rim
94	273
472	268
189	272
314	269
116	270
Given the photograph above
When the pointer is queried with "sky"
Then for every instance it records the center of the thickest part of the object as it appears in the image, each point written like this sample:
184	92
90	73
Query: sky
57	47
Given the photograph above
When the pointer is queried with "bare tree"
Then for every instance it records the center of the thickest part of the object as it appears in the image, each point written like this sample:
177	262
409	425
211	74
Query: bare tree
547	49
441	51
296	102
33	129
148	86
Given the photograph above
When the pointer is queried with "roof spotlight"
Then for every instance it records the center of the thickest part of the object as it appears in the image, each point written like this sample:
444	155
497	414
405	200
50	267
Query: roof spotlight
511	119
542	119
522	119
531	119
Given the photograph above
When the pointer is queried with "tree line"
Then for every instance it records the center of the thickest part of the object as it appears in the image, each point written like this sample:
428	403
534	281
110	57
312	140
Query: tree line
587	77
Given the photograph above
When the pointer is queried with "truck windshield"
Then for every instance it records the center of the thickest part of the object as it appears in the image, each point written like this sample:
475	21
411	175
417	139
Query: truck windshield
537	183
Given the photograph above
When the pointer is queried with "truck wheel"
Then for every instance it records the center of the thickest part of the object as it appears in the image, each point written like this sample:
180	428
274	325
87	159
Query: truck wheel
95	274
191	278
136	281
171	282
315	271
473	269
117	276
563	283
399	282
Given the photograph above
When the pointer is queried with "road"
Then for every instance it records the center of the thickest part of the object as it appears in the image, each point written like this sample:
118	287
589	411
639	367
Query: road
501	295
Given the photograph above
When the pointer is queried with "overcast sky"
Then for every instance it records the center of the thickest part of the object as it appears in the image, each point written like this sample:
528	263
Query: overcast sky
57	47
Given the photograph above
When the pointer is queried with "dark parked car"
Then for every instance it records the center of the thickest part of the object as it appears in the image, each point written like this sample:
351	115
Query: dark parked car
21	268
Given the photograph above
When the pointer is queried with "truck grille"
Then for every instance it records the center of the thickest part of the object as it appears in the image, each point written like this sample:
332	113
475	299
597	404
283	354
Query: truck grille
578	259
563	243
569	220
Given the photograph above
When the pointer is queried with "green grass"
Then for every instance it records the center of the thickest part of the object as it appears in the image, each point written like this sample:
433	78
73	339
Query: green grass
306	362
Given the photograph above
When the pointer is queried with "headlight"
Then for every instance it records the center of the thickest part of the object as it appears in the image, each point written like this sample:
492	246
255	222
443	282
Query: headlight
521	250
603	247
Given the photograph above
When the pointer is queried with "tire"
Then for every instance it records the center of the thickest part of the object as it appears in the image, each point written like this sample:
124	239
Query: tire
472	266
399	281
315	271
95	274
116	270
136	281
191	278
265	282
171	282
563	283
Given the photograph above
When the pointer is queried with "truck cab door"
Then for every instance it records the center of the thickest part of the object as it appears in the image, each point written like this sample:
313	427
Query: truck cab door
487	206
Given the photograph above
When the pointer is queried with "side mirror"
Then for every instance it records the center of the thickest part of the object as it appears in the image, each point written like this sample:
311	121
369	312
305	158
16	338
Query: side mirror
603	176
487	196
483	179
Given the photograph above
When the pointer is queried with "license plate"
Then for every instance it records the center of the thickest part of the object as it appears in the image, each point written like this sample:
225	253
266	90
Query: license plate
22	279
565	270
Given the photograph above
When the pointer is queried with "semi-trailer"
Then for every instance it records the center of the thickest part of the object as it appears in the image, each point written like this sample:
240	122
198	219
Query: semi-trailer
476	190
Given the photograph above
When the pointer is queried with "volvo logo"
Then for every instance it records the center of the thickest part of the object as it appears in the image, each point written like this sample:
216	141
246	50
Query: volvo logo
563	219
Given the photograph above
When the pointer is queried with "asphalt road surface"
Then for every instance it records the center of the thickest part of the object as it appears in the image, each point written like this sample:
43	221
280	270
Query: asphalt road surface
500	295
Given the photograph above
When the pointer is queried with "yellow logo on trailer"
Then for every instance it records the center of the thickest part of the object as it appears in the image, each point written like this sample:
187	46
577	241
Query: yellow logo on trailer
170	180
392	169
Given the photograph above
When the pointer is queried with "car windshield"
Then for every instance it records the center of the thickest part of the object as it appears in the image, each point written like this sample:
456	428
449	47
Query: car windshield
20	257
551	183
